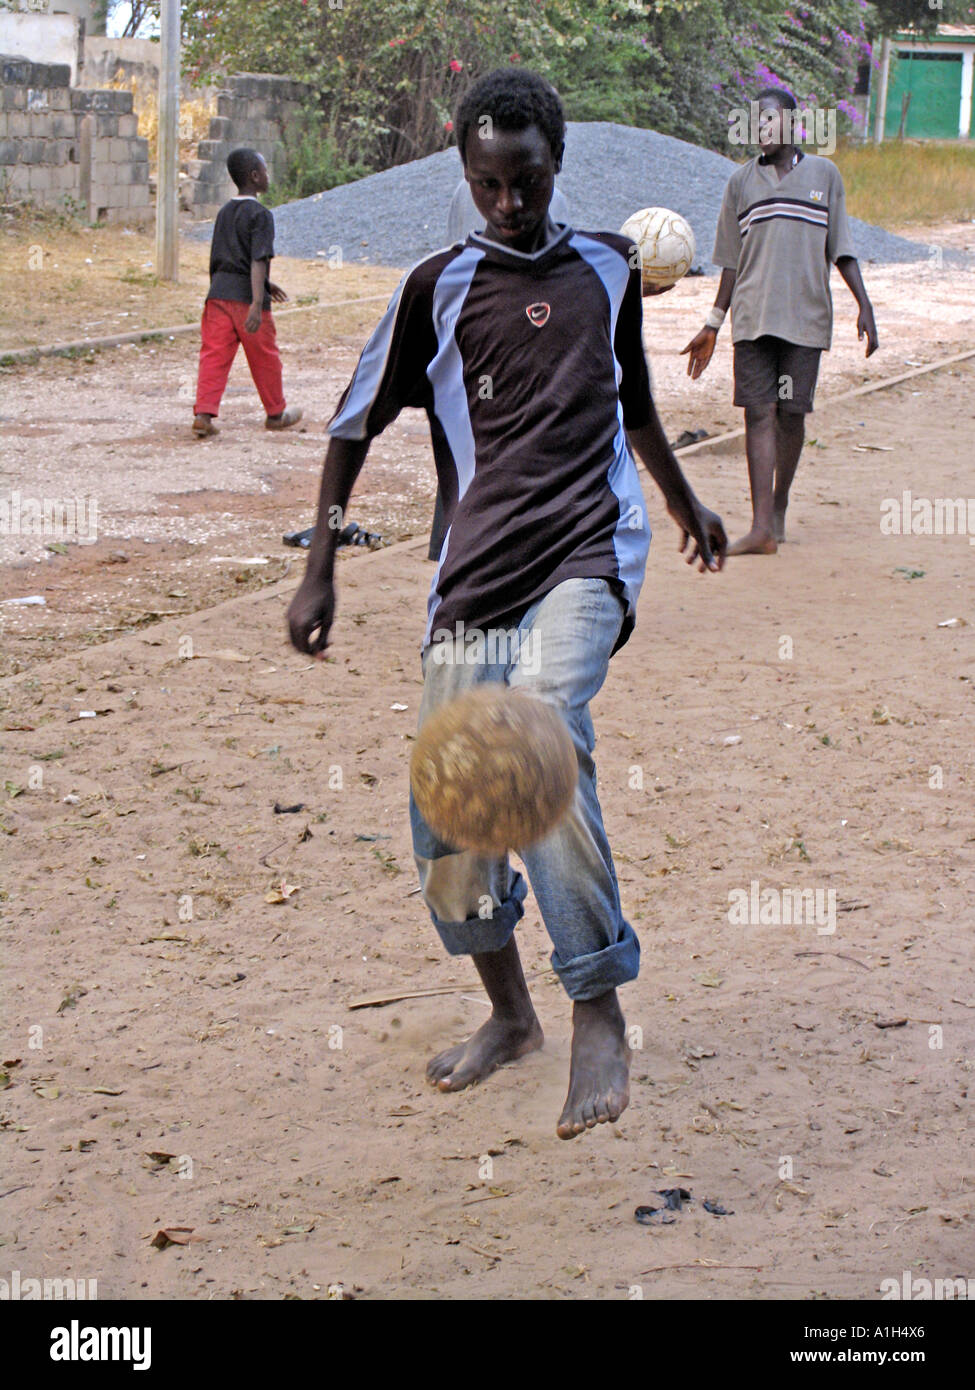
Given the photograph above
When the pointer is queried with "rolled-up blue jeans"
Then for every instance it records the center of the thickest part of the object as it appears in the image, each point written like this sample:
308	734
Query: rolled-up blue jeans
558	652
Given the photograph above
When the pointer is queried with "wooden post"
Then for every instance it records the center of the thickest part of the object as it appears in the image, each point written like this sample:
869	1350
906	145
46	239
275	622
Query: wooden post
84	161
905	103
167	161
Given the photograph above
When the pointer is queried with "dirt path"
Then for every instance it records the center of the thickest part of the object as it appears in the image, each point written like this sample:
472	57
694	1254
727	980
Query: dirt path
179	520
160	1004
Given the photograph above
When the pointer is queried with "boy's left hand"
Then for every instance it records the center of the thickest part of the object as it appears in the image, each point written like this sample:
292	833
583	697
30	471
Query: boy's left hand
276	293
867	328
703	531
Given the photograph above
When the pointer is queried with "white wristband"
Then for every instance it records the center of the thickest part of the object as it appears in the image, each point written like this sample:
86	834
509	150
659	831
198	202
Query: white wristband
715	318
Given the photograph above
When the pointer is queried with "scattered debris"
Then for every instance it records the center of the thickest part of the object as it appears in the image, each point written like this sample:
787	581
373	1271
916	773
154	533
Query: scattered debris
239	560
689	437
654	1216
224	654
281	892
353	534
674	1199
376	1001
71	996
172	1235
838	955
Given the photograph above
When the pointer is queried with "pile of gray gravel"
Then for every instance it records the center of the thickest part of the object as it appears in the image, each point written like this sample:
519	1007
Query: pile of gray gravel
397	217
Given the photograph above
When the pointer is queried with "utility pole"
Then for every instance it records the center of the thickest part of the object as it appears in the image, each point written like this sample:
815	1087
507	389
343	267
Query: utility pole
880	110
167	149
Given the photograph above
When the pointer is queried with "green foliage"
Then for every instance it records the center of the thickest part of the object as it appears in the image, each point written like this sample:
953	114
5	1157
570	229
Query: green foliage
314	161
387	74
893	16
818	51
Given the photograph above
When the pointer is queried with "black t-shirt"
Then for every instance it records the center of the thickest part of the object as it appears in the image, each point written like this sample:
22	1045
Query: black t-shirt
530	368
242	233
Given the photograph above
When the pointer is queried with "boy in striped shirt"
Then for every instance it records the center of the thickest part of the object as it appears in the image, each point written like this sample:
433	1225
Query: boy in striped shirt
782	224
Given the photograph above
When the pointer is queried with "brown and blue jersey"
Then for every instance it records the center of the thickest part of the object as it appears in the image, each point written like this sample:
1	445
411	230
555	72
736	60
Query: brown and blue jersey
530	367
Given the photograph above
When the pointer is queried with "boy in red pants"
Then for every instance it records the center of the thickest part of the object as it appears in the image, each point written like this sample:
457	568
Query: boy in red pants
238	307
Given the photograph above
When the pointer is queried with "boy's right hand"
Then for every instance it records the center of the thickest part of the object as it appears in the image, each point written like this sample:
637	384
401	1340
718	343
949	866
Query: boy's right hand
253	320
700	348
311	612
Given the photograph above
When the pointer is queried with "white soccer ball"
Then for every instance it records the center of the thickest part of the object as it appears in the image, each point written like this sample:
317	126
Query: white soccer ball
665	243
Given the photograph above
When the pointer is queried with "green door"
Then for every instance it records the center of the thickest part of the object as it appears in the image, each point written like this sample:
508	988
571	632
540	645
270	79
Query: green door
934	82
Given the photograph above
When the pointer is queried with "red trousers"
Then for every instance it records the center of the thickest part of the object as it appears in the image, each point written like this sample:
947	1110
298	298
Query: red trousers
220	332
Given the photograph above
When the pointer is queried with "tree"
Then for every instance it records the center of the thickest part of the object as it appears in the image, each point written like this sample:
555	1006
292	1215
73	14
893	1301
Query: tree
386	74
127	17
887	17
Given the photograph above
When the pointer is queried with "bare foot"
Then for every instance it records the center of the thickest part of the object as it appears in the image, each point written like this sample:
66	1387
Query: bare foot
599	1078
495	1042
755	543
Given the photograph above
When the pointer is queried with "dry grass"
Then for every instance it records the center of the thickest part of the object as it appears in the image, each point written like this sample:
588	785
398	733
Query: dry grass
79	281
904	181
194	118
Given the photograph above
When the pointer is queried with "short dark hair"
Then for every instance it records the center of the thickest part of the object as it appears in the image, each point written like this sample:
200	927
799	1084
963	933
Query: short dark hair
515	99
785	99
241	164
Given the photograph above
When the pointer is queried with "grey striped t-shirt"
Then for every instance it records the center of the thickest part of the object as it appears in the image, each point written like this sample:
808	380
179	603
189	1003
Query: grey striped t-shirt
781	236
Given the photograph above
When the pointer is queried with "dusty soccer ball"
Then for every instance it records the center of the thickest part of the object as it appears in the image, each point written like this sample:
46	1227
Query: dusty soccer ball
493	770
665	243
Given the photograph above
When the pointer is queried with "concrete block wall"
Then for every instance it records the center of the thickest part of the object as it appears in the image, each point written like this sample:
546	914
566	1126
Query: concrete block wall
131	64
254	109
58	141
119	187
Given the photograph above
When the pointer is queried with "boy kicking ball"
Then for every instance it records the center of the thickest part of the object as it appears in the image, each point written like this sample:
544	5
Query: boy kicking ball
238	308
782	222
524	346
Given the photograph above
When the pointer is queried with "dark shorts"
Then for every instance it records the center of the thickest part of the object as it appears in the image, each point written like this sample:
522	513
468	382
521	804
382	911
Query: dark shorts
771	371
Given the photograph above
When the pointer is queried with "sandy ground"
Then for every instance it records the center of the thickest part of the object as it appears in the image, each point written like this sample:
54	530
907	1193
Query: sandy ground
180	1050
